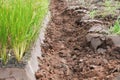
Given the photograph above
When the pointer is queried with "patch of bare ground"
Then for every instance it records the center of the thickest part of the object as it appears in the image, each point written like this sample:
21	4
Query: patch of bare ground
66	55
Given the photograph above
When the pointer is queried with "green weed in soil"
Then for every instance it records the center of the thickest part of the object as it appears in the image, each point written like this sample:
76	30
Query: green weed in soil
115	29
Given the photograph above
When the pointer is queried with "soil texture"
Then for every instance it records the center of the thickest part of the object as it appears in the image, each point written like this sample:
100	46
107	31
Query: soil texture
66	54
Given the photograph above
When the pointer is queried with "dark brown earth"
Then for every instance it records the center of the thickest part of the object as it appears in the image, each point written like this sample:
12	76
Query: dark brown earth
66	55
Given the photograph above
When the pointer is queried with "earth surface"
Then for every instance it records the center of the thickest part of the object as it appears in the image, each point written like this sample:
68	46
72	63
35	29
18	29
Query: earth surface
66	54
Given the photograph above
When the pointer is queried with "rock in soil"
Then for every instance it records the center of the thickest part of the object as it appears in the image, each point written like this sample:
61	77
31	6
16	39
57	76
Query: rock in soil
95	42
115	39
98	28
101	50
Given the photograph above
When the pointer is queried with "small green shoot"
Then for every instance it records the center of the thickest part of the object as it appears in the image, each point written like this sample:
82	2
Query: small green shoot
109	8
116	28
92	13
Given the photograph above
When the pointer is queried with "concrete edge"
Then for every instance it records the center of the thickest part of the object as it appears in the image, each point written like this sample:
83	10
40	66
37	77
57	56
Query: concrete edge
33	63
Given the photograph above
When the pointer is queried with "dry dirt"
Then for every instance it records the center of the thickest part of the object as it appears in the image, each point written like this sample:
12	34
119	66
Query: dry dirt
66	55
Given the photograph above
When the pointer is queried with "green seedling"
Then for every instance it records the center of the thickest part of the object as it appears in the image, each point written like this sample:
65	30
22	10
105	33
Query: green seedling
3	34
92	13
109	7
20	22
116	28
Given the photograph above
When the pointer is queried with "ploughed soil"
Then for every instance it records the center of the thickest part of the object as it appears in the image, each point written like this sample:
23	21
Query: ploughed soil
66	54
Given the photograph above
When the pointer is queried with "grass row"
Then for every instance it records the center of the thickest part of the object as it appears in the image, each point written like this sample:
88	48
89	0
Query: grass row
20	22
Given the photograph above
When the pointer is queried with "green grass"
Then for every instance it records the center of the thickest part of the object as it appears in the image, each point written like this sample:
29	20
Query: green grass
115	29
93	13
20	22
109	7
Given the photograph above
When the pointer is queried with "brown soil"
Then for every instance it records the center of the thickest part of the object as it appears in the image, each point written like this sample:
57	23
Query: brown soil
66	56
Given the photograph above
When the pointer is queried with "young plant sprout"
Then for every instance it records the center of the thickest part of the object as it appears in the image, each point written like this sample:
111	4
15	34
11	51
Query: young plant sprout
92	13
20	22
110	8
107	9
116	28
